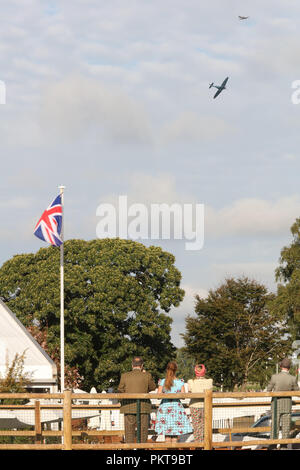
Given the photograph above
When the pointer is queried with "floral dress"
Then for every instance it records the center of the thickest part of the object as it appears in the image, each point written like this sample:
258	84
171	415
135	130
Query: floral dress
171	419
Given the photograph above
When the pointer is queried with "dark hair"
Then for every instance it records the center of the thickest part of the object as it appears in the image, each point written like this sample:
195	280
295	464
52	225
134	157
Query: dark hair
285	363
137	361
170	375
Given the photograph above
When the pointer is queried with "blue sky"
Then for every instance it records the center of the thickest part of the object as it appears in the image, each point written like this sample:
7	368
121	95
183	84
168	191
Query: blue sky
112	98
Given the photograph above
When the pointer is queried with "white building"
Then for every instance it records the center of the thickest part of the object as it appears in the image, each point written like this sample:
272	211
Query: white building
16	339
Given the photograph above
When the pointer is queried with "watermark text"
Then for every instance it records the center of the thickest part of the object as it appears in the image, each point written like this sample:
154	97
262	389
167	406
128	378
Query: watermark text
2	92
295	98
158	222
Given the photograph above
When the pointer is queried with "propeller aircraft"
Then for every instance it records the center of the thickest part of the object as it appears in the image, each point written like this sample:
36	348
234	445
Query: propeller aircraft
220	88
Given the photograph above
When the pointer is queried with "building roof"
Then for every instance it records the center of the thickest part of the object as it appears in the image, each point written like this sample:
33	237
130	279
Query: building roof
16	339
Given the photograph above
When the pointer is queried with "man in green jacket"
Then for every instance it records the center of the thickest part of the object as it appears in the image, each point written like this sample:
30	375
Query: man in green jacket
136	381
281	407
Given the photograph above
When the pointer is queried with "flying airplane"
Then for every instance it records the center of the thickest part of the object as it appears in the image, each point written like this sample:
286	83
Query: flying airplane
220	88
243	17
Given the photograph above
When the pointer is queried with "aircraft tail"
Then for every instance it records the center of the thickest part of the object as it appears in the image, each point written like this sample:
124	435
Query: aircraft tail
211	84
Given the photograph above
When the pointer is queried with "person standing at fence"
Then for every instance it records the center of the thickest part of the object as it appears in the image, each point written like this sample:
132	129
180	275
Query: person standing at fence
136	381
171	419
281	407
198	385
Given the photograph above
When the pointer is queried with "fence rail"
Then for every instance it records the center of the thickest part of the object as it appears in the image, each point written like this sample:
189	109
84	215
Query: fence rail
67	435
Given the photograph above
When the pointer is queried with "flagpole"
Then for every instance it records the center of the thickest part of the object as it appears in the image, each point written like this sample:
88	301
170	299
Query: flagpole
62	323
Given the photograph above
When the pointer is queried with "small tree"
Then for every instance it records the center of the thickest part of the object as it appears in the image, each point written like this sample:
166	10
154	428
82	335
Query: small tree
15	379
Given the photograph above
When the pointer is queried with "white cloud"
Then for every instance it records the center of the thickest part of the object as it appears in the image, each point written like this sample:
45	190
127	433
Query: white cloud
190	127
187	307
16	203
27	130
290	157
77	105
245	218
260	271
252	217
149	189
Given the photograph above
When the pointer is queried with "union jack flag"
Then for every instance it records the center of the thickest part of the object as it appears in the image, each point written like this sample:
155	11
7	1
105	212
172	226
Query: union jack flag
49	226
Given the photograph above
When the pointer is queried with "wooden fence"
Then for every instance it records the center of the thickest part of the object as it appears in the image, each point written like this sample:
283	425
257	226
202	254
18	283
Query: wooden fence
64	402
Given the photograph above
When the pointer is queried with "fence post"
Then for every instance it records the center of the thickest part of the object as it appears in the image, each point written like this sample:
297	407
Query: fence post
274	420
67	432
38	426
138	421
208	420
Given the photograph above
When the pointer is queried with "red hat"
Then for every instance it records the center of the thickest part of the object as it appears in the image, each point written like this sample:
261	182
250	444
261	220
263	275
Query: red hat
200	372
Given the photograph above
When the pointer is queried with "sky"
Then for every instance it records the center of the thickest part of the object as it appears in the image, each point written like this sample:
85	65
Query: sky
112	98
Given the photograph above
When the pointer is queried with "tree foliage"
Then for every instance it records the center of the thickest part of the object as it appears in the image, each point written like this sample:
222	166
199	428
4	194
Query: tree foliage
73	379
15	379
117	296
287	302
234	334
289	260
186	365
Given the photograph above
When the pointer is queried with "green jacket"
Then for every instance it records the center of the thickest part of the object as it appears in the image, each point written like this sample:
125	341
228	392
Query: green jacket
283	381
136	381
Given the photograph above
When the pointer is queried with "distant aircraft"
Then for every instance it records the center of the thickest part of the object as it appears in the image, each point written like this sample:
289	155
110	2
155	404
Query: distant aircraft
243	17
220	88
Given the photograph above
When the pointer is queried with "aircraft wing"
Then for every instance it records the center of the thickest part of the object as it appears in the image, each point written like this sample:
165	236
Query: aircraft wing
224	83
218	92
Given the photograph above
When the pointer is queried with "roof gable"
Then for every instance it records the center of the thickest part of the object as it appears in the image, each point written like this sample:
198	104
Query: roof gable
16	339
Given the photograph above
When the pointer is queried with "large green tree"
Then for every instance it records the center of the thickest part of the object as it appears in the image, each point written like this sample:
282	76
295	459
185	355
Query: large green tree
287	302
117	296
234	334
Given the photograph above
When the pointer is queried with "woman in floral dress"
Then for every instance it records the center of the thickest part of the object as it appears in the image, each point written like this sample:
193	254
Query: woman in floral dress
171	419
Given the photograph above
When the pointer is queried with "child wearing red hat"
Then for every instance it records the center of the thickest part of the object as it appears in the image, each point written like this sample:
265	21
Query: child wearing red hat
198	385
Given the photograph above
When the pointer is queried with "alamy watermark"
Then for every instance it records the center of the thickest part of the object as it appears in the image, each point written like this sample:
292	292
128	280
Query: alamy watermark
295	98
158	222
2	92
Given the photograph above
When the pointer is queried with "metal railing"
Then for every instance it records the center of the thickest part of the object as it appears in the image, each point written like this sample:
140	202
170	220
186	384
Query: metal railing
67	436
